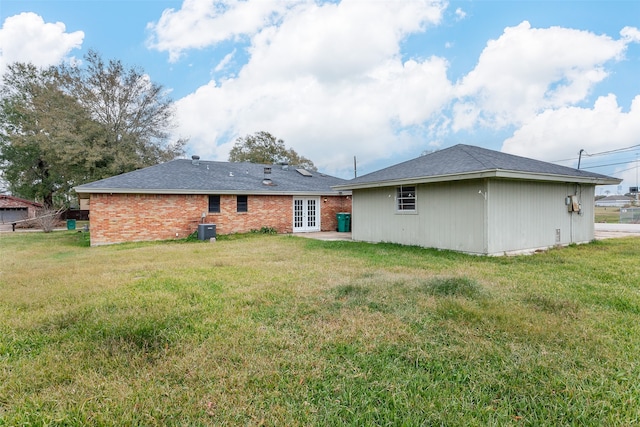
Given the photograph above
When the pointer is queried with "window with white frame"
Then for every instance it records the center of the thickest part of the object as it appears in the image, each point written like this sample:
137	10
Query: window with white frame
406	198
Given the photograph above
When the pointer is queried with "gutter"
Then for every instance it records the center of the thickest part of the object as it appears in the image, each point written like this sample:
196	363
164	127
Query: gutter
493	173
88	191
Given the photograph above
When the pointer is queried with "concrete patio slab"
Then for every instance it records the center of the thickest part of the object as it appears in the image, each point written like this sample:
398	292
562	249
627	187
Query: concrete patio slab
325	235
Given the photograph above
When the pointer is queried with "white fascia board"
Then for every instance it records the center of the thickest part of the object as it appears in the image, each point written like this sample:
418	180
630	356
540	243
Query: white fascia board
532	176
495	173
417	180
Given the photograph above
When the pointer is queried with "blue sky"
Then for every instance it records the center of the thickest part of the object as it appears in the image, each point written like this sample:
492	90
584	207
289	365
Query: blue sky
380	80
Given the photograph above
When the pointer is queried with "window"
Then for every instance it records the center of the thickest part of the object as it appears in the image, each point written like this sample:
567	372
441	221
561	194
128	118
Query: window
214	203
406	198
243	206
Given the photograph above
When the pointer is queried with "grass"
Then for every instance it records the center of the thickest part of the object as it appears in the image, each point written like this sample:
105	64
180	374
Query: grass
609	215
260	329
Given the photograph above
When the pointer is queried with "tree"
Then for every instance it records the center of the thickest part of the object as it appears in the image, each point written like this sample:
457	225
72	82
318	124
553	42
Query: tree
42	134
136	113
262	147
65	126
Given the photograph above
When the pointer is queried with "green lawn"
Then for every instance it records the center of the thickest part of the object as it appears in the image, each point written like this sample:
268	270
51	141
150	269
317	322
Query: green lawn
285	331
607	214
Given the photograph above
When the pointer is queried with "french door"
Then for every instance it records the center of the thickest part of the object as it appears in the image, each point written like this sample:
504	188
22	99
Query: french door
306	214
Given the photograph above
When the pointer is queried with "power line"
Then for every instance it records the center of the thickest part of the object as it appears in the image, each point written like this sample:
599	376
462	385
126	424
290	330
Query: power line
619	150
602	166
602	153
624	170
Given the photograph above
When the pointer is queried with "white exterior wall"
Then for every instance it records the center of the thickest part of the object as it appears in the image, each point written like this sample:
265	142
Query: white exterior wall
526	215
514	216
448	216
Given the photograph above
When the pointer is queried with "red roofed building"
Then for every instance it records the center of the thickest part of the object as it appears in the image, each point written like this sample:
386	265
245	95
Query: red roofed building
14	209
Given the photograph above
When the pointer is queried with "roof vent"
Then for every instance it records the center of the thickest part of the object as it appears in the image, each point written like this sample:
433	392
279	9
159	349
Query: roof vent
267	176
195	160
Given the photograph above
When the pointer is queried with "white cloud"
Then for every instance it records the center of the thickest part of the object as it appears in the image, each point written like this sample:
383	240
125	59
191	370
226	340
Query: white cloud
460	14
528	70
327	123
328	77
336	41
225	61
630	34
202	23
534	79
563	132
27	38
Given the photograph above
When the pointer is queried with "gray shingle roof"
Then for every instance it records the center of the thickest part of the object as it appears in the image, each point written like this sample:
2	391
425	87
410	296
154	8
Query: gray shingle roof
208	177
466	161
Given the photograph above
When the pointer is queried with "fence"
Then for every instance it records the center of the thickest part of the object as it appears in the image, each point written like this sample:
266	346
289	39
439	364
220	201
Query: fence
79	215
629	215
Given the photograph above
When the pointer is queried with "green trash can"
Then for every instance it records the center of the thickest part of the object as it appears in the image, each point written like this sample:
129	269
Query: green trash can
344	222
71	224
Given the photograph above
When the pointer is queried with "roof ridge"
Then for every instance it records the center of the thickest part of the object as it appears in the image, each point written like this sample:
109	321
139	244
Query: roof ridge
468	152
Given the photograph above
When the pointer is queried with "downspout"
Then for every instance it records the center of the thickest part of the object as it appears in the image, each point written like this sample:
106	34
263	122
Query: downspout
571	228
485	219
576	192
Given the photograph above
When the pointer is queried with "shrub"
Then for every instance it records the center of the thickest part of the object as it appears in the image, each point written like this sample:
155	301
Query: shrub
265	230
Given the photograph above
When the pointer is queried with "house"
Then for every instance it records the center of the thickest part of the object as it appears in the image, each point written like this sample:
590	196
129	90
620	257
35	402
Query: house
169	200
13	209
614	201
474	200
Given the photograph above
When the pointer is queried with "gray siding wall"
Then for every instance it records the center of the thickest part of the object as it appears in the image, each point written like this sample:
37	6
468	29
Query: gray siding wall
514	216
527	215
448	216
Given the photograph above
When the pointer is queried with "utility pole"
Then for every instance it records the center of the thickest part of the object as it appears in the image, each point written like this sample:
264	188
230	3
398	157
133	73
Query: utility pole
580	156
355	169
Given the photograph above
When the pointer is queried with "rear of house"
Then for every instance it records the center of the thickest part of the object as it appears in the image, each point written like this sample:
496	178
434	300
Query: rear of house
168	201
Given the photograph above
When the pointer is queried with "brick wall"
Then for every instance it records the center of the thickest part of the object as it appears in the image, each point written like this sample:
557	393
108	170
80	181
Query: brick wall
263	211
329	207
116	218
